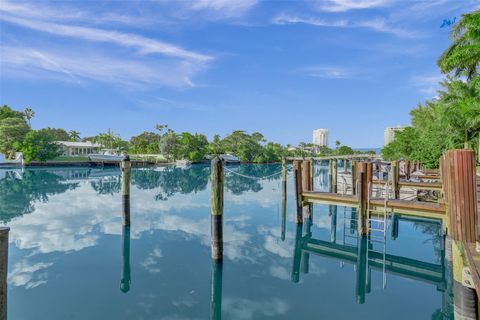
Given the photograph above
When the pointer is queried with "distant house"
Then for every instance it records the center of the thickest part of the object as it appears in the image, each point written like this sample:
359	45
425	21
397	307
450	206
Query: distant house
77	149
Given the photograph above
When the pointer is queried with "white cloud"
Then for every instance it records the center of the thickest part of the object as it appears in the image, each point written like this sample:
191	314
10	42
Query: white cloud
378	25
346	5
225	8
78	67
144	45
25	274
246	309
427	84
329	72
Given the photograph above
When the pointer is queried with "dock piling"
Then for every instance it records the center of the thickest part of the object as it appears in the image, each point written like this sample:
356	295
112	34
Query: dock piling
297	172
395	179
217	179
126	170
126	271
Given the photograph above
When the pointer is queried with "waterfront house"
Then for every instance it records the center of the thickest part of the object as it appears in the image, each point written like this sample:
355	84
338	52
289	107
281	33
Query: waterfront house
76	149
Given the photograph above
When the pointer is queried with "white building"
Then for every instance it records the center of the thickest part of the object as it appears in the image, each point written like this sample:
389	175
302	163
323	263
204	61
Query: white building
76	149
320	137
389	134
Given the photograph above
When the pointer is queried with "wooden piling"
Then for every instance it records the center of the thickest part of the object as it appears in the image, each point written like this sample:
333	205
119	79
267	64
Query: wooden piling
126	170
333	170
284	178
217	179
353	172
395	179
297	172
306	177
312	173
297	254
3	271
361	270
458	176
362	191
407	170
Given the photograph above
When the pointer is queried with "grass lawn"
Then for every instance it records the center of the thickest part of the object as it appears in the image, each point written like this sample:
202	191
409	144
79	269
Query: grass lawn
67	158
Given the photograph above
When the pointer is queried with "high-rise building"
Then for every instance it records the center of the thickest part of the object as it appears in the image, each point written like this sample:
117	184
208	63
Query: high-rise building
389	134
320	137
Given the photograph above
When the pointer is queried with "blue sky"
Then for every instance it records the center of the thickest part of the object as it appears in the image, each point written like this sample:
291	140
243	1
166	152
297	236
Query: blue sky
281	68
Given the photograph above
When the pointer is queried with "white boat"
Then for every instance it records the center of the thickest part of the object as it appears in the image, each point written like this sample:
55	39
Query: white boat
229	158
183	163
17	162
106	155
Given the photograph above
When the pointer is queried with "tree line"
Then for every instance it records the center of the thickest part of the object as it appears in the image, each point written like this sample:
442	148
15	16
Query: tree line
452	119
16	134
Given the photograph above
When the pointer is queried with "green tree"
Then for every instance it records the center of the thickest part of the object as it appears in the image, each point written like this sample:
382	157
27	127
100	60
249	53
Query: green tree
337	143
39	145
74	135
29	114
12	132
7	112
345	150
169	145
58	134
215	147
192	146
462	108
463	55
146	142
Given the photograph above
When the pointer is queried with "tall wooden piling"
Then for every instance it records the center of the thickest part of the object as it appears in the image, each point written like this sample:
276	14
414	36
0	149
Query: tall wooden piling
395	179
217	179
306	177
312	173
458	176
361	270
332	174
297	254
407	169
297	173
353	172
126	169
3	271
284	178
363	172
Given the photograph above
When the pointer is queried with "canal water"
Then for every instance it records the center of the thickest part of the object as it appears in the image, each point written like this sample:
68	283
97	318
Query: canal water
70	257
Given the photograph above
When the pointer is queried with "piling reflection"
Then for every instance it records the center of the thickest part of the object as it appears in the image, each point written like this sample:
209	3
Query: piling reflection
216	291
365	254
126	272
3	271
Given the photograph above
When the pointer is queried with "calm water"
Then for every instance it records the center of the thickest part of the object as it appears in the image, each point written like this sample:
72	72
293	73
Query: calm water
70	258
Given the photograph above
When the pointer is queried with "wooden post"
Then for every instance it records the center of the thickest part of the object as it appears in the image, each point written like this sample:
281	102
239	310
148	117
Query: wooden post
216	291
362	191
353	172
126	169
3	271
284	178
333	175
297	171
345	166
217	177
458	177
395	178
312	173
407	170
305	265
333	223
126	273
306	178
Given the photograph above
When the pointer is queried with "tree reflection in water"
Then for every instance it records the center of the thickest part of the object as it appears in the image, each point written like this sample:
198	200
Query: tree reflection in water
18	193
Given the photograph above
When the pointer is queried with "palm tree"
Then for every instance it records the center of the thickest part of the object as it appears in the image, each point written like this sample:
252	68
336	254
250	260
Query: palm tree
463	55
29	114
74	135
462	108
337	143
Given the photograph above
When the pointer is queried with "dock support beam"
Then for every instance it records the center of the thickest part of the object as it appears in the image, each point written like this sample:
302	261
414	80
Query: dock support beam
126	169
353	172
361	271
297	173
395	177
362	195
297	254
284	179
217	178
332	172
3	271
459	179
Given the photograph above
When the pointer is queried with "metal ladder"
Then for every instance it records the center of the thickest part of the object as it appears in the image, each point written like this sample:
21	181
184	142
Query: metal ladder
373	216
